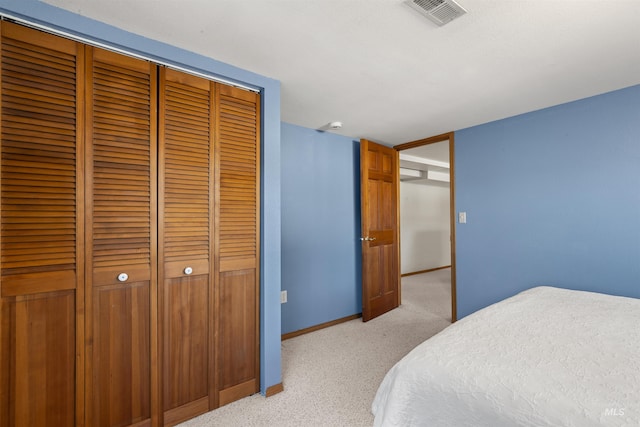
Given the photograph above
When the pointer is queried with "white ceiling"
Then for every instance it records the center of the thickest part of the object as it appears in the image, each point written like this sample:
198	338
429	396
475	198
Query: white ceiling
387	72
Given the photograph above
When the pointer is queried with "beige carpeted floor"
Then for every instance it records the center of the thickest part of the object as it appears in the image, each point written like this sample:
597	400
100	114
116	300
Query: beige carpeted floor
331	376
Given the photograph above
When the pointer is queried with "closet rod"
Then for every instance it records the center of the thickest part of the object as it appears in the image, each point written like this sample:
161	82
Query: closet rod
52	30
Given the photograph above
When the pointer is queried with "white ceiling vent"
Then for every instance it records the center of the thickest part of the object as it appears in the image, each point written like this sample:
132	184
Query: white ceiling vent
439	11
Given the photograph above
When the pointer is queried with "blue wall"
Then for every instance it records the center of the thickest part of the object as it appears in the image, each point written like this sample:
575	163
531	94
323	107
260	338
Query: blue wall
40	13
552	198
320	227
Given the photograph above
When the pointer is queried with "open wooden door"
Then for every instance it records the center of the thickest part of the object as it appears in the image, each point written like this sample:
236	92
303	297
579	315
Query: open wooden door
380	252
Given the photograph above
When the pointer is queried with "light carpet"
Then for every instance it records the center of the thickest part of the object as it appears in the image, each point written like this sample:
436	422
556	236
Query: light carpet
330	376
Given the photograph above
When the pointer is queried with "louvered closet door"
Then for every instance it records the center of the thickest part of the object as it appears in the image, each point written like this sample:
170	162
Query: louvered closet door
238	121
41	244
185	250
121	239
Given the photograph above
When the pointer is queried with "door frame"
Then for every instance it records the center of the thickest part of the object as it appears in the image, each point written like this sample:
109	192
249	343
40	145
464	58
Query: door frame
449	136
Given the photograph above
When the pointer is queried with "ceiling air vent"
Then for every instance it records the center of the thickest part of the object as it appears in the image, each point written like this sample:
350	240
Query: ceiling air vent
439	11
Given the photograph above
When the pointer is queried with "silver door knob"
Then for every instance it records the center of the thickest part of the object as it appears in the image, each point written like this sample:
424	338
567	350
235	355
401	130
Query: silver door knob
188	270
123	277
368	239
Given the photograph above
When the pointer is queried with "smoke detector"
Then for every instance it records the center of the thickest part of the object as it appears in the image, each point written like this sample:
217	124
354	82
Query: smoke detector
439	11
330	126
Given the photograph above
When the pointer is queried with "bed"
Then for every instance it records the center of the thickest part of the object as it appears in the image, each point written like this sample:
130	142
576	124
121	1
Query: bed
545	357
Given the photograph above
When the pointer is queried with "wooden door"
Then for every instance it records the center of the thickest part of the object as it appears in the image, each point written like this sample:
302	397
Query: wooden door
121	239
380	254
186	244
237	243
41	285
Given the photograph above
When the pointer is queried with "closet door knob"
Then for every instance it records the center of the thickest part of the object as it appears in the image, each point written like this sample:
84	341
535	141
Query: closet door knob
122	277
188	270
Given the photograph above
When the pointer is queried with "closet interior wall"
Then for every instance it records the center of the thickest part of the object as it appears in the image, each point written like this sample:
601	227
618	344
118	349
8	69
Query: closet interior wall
129	238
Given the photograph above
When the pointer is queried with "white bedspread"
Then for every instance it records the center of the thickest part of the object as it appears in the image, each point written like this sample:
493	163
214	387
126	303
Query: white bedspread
545	357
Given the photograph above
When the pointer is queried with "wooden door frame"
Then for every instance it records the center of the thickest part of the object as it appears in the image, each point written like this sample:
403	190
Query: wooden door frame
449	136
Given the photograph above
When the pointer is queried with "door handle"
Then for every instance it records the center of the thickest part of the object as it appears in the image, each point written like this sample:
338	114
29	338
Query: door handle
368	239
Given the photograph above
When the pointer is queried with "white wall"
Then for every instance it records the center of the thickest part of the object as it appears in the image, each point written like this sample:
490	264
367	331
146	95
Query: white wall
424	225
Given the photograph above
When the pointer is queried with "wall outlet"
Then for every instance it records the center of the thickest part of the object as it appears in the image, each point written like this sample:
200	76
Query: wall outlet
283	297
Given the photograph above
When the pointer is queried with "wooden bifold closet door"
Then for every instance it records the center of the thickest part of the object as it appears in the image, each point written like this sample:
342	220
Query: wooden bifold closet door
129	248
237	243
209	223
121	239
41	287
186	250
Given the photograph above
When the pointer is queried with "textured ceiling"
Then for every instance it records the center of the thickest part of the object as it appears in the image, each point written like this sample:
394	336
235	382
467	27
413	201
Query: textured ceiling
387	72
